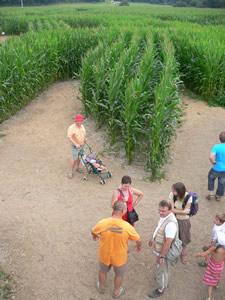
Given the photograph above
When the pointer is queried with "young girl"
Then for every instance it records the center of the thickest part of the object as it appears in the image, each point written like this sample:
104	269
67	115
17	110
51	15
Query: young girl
178	197
214	270
219	226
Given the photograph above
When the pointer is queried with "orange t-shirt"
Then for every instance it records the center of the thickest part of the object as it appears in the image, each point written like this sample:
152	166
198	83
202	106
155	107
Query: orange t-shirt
77	134
114	235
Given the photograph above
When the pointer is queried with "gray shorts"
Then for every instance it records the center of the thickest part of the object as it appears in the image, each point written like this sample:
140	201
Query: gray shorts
119	271
75	151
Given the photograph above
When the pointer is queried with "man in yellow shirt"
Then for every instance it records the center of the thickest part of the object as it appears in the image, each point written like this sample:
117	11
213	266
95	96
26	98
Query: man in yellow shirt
76	135
114	234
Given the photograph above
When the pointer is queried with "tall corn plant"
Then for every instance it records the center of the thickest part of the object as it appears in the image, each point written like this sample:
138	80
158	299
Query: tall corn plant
87	78
200	52
101	72
124	70
136	100
87	75
165	110
29	64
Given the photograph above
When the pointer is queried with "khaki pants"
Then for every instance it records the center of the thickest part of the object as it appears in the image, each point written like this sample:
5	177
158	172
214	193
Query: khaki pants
163	277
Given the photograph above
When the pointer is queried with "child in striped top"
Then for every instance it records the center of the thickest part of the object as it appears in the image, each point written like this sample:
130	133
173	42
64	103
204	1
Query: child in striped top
214	270
219	225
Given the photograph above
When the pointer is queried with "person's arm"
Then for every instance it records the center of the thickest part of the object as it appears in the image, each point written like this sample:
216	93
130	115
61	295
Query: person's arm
184	211
114	198
165	249
150	242
211	244
212	158
139	195
85	139
95	237
138	245
72	142
209	251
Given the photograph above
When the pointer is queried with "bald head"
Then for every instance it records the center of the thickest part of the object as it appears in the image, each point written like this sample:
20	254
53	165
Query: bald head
119	205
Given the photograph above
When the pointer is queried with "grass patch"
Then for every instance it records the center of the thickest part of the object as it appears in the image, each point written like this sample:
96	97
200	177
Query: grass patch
6	285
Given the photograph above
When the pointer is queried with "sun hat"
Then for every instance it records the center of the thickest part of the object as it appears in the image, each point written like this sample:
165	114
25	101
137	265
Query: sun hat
79	118
221	238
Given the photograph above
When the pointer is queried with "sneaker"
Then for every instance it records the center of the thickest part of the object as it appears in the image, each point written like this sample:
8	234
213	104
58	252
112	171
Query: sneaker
70	175
156	293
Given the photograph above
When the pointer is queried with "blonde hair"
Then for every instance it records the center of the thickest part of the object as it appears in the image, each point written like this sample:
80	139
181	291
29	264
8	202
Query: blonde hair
221	217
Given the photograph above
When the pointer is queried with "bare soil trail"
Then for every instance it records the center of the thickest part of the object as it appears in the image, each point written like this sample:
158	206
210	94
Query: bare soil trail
46	218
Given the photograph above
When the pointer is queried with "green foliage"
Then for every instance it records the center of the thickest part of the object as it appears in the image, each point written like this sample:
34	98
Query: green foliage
193	3
31	63
165	111
180	4
6	285
127	59
124	3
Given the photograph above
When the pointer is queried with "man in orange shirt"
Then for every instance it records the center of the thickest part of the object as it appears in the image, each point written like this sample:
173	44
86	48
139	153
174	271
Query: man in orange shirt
76	135
114	234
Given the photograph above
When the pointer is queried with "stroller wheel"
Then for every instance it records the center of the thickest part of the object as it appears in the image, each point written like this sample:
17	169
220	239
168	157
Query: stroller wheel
85	178
109	174
102	181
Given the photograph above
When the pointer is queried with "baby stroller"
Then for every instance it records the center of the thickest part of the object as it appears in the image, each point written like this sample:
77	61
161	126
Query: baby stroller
93	164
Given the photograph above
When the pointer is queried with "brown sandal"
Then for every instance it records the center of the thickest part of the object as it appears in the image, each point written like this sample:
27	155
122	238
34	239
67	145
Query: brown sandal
218	198
209	197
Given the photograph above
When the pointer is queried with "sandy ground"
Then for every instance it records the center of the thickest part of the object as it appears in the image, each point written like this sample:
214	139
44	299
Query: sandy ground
3	38
46	218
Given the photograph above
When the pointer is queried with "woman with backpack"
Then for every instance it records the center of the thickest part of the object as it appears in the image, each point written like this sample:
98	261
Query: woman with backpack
181	204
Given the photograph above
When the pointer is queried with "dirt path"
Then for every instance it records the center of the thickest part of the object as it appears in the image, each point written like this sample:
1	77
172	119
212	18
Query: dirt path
45	218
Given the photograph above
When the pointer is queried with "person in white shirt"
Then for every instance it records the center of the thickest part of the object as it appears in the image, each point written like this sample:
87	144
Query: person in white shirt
161	241
219	226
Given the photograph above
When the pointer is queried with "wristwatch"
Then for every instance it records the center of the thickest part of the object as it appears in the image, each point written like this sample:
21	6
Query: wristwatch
161	256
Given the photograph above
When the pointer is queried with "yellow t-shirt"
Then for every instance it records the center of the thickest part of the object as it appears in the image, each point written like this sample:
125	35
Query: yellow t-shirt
114	235
77	134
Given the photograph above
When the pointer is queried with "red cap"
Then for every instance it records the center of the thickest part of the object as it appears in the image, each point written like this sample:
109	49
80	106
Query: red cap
79	118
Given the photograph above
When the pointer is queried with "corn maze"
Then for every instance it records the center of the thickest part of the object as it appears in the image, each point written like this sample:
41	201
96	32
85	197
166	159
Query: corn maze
130	61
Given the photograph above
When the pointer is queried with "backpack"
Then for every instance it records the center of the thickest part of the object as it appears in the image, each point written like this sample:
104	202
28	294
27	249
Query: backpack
175	250
194	203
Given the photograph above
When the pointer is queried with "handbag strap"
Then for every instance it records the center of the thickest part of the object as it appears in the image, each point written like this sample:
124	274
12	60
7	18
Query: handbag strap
120	191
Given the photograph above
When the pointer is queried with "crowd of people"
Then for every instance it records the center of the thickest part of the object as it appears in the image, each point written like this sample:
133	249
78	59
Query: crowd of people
174	224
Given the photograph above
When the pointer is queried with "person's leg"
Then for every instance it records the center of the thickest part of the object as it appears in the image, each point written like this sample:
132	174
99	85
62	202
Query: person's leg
211	179
102	276
161	277
118	280
221	185
166	272
72	165
184	255
210	291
